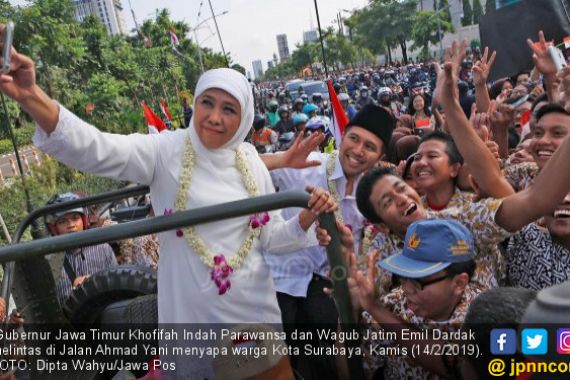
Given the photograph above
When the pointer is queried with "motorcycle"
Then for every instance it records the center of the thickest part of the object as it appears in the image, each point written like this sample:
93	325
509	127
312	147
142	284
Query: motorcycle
285	141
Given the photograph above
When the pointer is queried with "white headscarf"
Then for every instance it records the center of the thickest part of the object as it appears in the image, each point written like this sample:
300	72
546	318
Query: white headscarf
234	83
216	178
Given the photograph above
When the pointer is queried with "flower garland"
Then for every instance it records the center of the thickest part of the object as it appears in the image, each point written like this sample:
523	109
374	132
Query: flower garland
368	238
332	185
221	267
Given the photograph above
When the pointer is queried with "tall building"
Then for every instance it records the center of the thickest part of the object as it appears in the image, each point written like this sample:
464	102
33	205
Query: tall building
455	9
257	69
282	47
310	36
110	12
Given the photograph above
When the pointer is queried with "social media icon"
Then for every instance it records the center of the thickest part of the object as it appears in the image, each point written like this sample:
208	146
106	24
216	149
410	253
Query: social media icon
503	341
563	341
534	341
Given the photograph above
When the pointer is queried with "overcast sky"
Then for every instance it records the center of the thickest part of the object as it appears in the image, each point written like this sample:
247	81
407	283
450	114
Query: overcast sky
249	28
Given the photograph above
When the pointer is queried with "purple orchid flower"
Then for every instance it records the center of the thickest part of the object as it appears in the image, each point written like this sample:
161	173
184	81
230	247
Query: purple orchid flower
259	220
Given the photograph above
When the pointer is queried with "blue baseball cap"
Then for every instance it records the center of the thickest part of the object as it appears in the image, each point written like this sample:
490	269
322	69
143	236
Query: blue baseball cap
431	245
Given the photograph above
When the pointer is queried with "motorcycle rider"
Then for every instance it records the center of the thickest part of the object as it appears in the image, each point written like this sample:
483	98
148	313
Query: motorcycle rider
346	106
321	124
310	110
263	138
364	98
299	122
272	115
285	124
317	99
298	106
385	96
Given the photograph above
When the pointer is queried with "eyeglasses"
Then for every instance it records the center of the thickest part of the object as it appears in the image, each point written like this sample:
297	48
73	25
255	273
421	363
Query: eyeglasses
421	285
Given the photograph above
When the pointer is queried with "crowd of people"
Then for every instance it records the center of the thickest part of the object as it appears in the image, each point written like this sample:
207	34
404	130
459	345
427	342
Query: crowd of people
448	189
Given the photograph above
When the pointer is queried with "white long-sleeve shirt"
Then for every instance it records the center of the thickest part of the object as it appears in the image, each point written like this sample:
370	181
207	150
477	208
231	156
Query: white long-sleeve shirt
292	273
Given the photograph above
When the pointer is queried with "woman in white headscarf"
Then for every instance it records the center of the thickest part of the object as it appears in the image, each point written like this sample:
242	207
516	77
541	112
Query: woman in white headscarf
213	273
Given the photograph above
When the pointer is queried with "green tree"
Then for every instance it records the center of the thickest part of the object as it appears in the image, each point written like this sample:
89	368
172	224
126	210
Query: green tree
467	18
425	31
304	55
477	11
239	68
490	6
47	31
384	24
338	50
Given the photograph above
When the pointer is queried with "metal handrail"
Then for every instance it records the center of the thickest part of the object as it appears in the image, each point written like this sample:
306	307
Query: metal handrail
96	199
27	250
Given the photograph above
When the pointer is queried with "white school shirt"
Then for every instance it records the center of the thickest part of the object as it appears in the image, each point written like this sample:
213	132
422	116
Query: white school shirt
292	273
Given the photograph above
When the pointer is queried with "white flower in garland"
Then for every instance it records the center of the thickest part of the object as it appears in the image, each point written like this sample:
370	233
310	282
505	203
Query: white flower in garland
332	185
221	267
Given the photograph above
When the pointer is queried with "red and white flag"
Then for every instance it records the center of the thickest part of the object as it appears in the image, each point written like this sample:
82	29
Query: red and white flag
340	119
165	109
567	42
173	37
155	123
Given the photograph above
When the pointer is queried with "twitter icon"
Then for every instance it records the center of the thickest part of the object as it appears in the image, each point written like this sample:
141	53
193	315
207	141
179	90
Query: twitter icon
534	341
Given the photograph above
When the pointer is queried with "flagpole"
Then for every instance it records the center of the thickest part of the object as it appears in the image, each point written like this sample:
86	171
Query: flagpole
337	143
321	39
219	35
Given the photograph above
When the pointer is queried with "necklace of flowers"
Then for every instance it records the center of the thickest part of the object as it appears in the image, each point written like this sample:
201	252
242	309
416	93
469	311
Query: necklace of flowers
368	238
220	267
332	185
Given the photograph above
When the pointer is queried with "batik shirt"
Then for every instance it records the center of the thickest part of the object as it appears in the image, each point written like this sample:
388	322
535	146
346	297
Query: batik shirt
458	199
535	260
403	367
522	175
479	218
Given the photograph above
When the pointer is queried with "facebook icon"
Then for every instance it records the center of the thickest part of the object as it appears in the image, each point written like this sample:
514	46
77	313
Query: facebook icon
503	341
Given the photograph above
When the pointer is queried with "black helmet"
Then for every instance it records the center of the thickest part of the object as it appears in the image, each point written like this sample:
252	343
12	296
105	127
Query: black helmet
258	122
50	219
282	109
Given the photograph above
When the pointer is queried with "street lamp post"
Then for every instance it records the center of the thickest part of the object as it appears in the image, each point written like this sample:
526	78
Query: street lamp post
440	37
196	37
439	29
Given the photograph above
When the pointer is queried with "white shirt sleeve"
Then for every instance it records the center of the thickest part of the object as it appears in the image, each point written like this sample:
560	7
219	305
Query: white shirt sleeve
82	146
279	236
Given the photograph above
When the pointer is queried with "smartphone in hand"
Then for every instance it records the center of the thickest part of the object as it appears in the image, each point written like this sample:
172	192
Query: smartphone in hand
557	57
7	47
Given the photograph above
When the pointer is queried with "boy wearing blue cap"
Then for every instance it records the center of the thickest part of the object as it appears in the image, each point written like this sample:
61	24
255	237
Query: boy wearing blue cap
435	270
